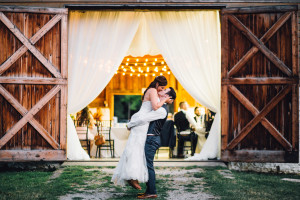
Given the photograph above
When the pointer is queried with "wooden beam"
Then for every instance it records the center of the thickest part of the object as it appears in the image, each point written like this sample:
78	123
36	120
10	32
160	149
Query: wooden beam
22	110
30	47
28	116
265	38
268	125
257	156
269	54
259	9
295	116
24	9
224	88
64	89
12	59
32	155
33	80
243	133
259	81
295	44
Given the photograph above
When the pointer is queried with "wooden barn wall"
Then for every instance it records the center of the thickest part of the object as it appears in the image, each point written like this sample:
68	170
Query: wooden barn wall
133	85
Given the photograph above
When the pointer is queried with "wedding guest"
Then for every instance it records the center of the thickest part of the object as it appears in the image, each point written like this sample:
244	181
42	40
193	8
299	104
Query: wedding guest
184	122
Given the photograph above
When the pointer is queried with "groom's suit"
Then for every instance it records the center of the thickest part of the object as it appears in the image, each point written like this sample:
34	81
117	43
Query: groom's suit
157	119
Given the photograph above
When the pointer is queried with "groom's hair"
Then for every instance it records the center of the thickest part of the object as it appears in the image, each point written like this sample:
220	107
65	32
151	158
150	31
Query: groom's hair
172	93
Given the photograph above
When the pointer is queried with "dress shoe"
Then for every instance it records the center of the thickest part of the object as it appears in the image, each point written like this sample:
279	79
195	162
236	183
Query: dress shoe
148	196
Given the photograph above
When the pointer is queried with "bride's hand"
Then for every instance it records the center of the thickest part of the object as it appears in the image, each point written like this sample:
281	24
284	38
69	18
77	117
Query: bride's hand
166	98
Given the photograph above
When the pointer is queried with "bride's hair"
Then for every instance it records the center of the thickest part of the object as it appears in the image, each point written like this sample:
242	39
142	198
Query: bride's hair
161	80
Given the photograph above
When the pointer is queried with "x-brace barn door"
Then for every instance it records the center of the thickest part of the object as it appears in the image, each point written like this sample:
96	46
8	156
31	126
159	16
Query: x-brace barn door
260	84
33	83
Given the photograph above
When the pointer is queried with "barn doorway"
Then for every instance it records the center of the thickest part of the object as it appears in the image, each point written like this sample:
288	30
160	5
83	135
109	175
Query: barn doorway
142	66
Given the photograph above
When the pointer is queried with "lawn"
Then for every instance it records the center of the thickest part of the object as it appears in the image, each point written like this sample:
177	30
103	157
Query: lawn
77	182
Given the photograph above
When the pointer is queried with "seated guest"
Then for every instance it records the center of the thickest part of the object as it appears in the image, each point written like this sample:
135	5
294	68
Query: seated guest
200	129
183	122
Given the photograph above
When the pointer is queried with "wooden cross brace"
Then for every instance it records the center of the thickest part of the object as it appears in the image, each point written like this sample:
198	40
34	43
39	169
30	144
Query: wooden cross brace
28	44
28	116
259	117
259	44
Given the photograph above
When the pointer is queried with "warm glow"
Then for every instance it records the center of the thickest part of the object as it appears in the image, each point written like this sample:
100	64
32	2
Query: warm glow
130	74
146	74
138	75
126	63
162	62
127	59
123	74
137	60
122	66
124	70
153	63
116	72
153	74
135	64
155	59
146	59
168	72
161	74
145	64
147	69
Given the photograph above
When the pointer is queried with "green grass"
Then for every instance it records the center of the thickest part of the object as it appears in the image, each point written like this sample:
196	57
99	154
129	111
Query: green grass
78	179
250	185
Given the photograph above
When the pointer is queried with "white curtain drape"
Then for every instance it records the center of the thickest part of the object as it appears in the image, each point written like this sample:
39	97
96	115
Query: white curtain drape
98	42
190	42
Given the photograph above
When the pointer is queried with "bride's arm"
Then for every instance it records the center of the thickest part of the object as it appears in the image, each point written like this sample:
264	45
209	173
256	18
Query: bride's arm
148	117
154	99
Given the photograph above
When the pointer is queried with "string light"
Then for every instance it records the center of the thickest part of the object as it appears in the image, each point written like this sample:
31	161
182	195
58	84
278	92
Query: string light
162	62
124	70
153	74
135	64
122	66
147	69
146	59
116	72
168	72
126	63
139	75
146	74
145	64
128	59
137	60
123	74
153	63
155	59
130	74
161	74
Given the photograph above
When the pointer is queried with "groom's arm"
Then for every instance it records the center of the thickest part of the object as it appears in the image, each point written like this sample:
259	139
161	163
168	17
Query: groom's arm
149	117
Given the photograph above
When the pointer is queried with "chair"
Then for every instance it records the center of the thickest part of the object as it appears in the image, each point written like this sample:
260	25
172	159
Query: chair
104	127
82	129
167	138
180	133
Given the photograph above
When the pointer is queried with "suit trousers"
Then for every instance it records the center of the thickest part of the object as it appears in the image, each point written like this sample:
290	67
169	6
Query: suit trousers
152	144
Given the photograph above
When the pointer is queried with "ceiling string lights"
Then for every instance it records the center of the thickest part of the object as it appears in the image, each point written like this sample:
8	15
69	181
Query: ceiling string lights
143	66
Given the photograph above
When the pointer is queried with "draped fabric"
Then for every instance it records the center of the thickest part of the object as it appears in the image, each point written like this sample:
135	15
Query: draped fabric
190	42
98	42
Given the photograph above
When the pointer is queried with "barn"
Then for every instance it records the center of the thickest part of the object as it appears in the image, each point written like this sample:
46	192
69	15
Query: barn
259	83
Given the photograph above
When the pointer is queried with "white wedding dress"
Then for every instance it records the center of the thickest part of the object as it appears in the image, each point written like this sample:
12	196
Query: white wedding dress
132	164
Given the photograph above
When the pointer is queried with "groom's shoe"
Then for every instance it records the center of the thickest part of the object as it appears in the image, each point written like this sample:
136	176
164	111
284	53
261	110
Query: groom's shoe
148	196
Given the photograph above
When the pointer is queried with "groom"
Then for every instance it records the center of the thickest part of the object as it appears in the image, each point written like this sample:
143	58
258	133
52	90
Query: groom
157	119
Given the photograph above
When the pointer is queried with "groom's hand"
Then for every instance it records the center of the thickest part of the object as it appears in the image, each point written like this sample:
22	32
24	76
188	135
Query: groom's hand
128	127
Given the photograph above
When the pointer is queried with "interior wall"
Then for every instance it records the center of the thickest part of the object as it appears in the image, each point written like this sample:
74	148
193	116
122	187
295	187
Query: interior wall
133	85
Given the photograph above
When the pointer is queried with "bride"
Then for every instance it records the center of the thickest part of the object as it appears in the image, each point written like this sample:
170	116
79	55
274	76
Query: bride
132	167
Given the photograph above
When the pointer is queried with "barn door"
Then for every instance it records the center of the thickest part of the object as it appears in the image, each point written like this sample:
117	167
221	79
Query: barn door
33	83
260	84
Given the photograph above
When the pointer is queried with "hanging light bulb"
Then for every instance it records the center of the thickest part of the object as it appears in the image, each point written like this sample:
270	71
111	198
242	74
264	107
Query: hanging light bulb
142	71
147	69
116	72
133	70
146	74
139	75
139	69
124	70
146	59
156	69
153	63
122	66
126	63
153	74
123	74
165	66
162	62
155	59
168	72
145	64
137	60
130	74
161	74
135	64
128	59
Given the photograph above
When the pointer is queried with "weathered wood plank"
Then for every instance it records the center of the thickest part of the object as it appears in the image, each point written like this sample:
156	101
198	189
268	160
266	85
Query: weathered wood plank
28	116
64	90
33	40
295	116
32	155
259	81
243	133
295	56
265	38
30	47
248	105
33	122
29	80
259	9
277	62
24	9
258	156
